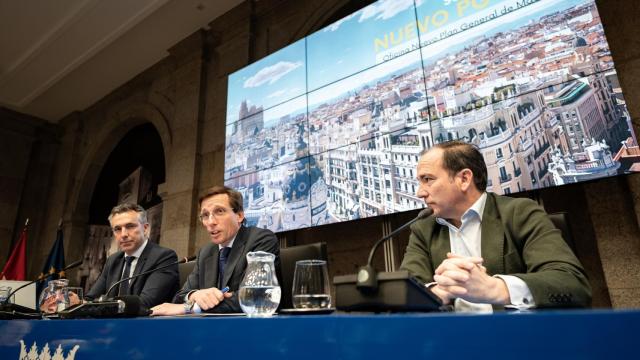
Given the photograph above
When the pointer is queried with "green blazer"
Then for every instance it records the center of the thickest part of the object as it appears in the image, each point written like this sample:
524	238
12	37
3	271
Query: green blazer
517	239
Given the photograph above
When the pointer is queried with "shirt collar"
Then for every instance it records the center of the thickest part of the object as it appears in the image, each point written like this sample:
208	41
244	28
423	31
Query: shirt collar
230	245
138	252
476	209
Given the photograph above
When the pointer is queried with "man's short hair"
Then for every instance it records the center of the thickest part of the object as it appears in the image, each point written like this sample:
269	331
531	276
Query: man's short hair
458	155
126	207
235	197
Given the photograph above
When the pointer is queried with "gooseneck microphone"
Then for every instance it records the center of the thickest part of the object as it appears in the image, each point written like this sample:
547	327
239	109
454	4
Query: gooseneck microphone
121	306
181	261
10	311
367	279
41	278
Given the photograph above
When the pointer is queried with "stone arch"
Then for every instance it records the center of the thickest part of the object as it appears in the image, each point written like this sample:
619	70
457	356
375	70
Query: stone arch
118	124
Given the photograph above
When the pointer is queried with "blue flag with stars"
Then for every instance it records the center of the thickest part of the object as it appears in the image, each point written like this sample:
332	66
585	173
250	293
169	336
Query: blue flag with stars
55	262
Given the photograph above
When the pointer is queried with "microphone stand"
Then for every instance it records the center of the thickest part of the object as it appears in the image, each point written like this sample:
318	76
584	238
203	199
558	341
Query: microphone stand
181	261
18	311
367	280
387	291
121	306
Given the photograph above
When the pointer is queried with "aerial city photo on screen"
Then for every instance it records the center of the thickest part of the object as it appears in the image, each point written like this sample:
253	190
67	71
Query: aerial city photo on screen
330	128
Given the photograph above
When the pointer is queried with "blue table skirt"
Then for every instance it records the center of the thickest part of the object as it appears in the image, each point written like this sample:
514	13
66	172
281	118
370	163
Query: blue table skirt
590	334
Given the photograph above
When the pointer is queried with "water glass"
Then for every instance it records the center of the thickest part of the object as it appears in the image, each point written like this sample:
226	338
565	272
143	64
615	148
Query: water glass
73	295
4	293
311	285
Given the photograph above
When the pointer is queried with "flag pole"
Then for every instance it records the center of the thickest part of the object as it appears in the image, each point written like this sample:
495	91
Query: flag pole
26	222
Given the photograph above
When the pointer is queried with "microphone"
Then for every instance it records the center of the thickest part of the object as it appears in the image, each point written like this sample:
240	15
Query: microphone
369	290
14	311
367	279
120	306
132	306
181	261
40	278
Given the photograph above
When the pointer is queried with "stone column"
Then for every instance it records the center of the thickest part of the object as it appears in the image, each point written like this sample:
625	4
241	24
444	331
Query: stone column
179	192
56	204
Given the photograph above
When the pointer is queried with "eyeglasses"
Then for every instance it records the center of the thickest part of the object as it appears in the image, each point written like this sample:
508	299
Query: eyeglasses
218	213
129	227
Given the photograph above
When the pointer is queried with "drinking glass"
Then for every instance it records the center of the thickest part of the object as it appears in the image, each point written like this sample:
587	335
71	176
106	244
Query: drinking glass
4	293
311	285
73	295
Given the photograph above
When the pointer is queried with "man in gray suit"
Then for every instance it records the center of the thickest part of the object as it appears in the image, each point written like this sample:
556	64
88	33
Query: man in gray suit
480	249
131	231
221	263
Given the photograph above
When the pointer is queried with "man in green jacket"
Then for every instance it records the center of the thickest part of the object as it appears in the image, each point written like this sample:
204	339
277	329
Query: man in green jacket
480	249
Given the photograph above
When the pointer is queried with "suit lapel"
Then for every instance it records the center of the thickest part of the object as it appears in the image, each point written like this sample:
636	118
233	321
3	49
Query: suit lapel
210	263
140	264
115	273
237	252
492	243
441	246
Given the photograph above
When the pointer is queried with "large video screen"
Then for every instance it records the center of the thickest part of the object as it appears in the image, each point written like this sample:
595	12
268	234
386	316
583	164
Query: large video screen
330	128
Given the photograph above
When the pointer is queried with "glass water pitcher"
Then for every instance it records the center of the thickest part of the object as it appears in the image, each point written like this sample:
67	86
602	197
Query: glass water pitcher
259	292
53	299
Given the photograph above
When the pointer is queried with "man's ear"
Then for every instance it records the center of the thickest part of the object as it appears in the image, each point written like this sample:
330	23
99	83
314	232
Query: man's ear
147	230
465	178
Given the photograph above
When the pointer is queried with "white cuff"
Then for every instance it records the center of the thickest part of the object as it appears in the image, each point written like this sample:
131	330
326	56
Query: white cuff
196	309
519	292
186	297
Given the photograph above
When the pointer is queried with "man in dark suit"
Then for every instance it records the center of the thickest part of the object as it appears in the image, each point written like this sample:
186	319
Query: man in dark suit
480	249
131	230
221	263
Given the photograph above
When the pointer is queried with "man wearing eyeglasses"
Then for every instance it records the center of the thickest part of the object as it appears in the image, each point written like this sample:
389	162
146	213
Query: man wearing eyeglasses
131	231
221	263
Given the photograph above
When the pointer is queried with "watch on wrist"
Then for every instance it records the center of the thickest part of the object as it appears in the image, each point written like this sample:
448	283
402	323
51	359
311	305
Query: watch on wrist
188	307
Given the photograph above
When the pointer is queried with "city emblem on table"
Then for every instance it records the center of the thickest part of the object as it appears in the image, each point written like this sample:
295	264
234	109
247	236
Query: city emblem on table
35	353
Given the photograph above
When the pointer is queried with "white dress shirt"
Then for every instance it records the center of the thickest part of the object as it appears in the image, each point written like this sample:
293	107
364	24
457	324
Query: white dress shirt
136	255
196	308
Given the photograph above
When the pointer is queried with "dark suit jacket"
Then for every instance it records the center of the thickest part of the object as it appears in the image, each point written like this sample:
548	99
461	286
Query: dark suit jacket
154	288
517	239
205	272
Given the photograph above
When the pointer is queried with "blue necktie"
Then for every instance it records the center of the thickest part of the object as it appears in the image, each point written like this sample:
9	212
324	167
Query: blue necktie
222	262
124	286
